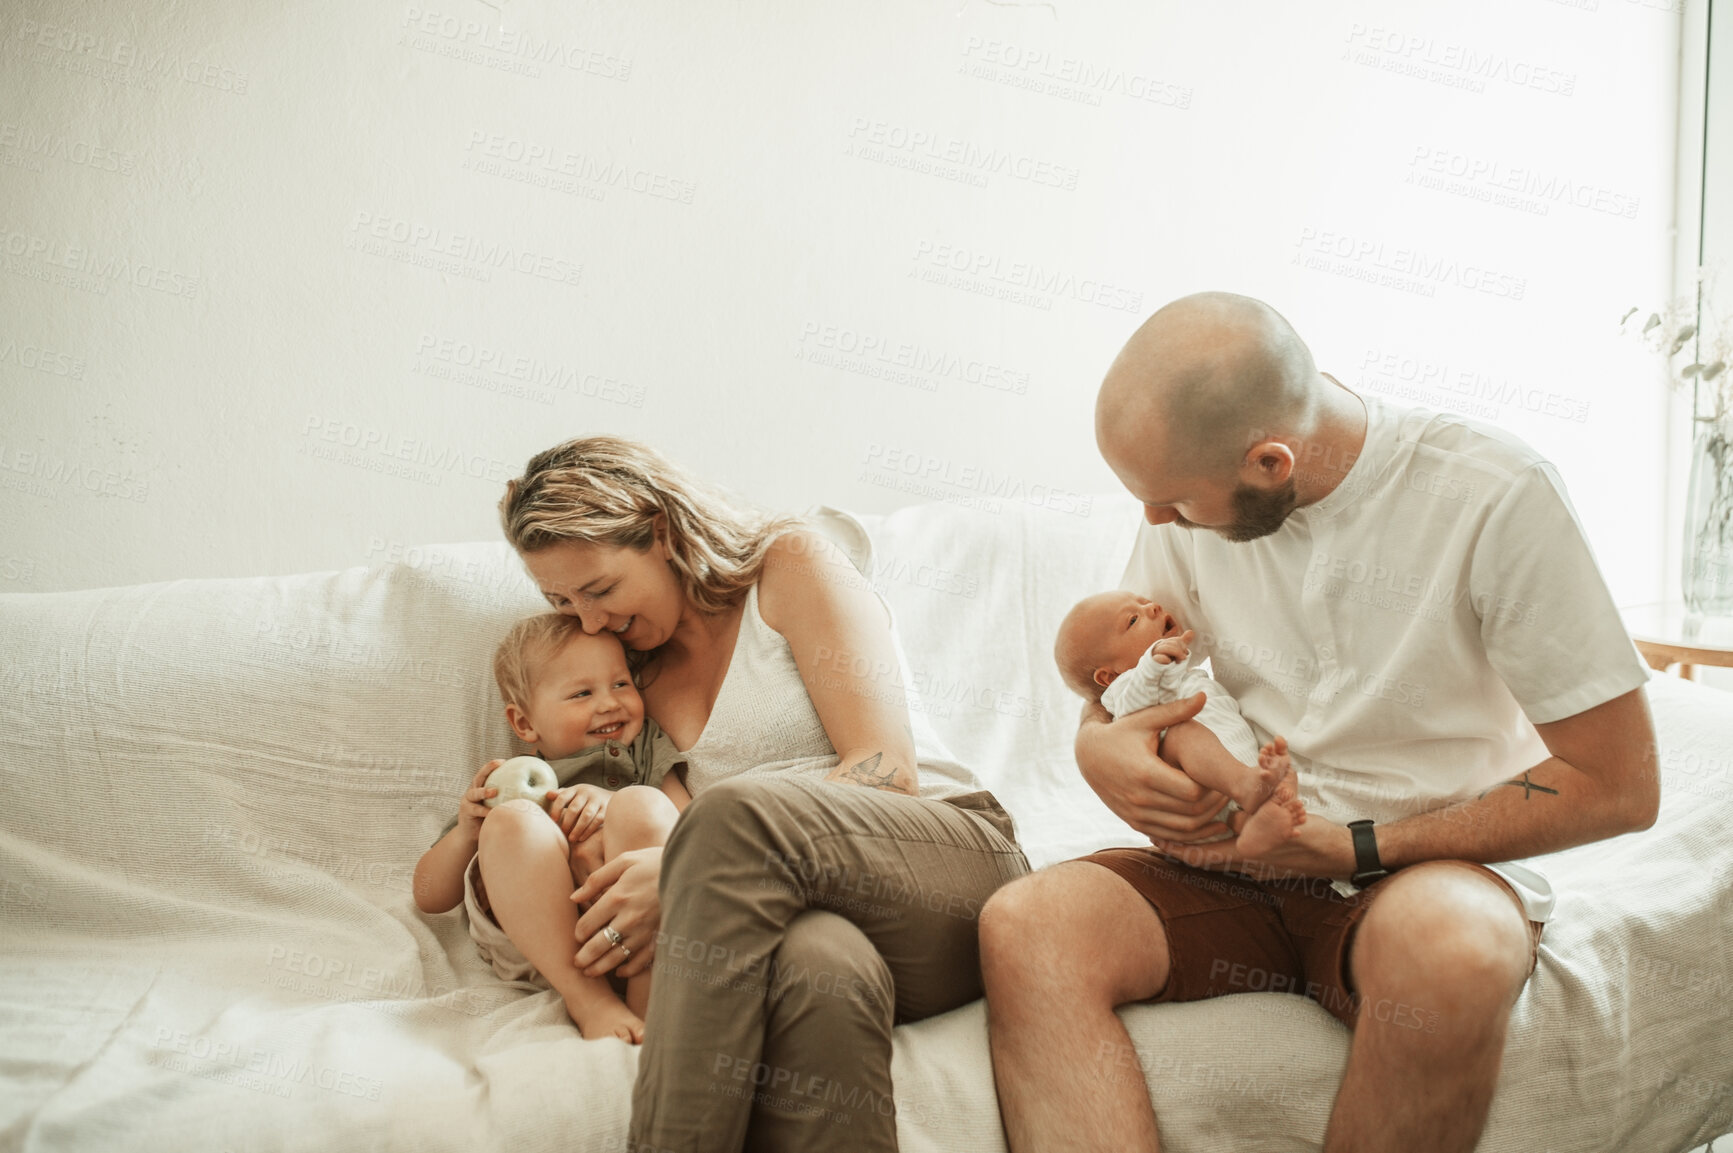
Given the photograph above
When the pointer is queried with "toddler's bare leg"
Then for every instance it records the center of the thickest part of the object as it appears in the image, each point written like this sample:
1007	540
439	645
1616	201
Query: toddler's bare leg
525	864
1265	791
639	817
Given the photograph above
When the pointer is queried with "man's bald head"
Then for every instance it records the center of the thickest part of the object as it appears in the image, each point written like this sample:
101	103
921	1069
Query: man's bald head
1203	378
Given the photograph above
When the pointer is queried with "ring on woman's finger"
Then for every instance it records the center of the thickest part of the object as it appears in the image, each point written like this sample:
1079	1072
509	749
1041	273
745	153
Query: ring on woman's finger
612	934
625	953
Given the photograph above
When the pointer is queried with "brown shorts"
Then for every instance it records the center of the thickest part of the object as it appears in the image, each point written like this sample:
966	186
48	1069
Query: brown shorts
1230	934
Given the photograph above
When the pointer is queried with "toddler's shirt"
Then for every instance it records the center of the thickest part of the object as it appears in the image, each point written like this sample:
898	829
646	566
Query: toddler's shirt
613	765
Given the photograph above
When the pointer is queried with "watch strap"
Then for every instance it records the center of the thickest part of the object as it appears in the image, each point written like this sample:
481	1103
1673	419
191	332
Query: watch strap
1367	867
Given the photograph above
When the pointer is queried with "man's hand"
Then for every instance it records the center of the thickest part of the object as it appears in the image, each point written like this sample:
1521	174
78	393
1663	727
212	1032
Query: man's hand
1318	848
1119	760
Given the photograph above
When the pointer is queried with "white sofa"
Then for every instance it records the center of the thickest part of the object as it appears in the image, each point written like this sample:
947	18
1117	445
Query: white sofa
217	790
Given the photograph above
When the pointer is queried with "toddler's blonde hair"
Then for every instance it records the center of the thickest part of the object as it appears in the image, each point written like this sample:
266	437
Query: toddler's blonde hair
524	652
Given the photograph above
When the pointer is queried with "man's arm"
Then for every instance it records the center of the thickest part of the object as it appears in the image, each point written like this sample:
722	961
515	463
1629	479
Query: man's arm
1603	779
1118	759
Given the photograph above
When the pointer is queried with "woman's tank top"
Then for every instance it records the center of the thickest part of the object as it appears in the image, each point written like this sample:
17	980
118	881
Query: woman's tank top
763	720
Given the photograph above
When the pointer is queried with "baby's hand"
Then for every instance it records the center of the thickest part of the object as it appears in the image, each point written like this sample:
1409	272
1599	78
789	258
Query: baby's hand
578	810
470	810
1170	649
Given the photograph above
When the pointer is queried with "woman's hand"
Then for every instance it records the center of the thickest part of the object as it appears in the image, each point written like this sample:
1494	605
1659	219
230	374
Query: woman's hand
1119	761
578	810
620	895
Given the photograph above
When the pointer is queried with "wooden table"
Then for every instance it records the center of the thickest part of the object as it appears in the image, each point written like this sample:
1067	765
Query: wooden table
1667	635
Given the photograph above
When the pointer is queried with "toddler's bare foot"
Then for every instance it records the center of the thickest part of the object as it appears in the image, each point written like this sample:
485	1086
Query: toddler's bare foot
1277	812
606	1017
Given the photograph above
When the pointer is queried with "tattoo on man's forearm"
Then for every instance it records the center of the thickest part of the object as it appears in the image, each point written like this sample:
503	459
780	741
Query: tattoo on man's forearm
1528	787
869	773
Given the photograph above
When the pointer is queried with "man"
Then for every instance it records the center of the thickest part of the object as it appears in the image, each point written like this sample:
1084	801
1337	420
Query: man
1409	599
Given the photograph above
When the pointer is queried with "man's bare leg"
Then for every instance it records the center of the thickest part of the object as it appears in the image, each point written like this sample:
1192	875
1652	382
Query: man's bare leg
1059	950
1438	962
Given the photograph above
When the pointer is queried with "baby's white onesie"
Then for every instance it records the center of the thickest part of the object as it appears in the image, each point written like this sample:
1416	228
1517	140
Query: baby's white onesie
1151	682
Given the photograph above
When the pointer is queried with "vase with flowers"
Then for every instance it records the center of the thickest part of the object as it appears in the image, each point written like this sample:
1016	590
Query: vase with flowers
1695	341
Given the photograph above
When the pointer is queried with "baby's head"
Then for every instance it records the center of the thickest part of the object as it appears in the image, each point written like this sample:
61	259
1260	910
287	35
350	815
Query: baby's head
565	689
1105	635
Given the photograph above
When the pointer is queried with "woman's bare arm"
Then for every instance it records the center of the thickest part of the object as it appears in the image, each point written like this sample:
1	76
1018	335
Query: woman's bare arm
675	790
840	636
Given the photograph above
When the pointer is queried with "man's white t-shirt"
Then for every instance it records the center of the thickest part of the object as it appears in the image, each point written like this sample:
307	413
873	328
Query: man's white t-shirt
1408	631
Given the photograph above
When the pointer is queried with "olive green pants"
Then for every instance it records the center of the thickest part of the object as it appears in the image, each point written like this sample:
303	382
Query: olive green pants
800	921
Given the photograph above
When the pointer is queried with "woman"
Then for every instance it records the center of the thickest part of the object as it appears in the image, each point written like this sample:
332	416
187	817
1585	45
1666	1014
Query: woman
824	882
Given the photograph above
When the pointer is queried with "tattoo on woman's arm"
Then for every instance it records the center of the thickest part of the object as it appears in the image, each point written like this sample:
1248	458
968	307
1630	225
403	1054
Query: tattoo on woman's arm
870	774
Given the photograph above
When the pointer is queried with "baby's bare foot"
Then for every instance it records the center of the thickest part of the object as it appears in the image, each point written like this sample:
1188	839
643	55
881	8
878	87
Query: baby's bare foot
1267	828
1277	811
1274	760
606	1017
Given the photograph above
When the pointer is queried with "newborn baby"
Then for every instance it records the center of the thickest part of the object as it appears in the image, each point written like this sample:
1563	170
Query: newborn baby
1126	648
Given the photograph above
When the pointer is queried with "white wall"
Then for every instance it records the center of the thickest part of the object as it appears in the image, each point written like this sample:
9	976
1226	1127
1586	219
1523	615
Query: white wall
248	247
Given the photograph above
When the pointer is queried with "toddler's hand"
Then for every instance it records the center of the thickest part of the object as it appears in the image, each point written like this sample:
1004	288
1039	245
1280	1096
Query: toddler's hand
470	810
578	810
1171	649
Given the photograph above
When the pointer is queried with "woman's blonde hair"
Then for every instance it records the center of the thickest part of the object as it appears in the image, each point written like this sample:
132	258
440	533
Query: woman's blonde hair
609	490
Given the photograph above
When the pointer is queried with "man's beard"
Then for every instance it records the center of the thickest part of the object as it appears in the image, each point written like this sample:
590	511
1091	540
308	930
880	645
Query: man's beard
1256	513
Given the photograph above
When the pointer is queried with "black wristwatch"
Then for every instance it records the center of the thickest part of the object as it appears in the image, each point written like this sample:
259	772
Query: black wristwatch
1367	867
